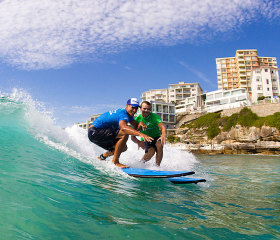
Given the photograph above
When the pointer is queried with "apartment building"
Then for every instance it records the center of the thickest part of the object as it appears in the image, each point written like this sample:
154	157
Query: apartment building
180	91
235	72
166	111
84	125
224	99
191	104
186	95
159	95
265	82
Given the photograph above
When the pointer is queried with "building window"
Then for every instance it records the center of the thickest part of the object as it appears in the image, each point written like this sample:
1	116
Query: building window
165	118
267	81
267	89
171	109
171	118
158	108
266	70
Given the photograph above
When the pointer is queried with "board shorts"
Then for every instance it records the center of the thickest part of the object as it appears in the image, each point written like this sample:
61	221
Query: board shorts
104	137
151	144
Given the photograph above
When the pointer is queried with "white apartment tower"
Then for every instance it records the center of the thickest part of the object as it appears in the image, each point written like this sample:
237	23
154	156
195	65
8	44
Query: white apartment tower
265	82
235	72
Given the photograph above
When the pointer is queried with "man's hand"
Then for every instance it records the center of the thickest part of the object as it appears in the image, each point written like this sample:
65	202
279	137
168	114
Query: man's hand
142	126
162	139
146	137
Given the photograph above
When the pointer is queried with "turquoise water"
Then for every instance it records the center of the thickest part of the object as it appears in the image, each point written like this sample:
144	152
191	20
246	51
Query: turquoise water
52	187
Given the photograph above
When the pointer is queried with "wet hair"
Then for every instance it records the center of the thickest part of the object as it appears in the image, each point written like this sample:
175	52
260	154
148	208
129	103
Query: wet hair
146	102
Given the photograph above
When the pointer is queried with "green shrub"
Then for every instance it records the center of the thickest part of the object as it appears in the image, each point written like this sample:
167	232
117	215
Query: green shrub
247	117
261	98
230	122
205	120
271	120
171	138
213	130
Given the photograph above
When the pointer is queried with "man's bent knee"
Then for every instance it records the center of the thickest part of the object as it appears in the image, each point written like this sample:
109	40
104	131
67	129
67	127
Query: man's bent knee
148	155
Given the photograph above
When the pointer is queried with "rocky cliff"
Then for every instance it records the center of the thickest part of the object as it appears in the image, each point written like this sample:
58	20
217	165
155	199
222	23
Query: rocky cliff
238	140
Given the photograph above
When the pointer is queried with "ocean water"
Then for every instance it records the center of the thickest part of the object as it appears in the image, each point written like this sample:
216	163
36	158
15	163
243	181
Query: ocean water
53	187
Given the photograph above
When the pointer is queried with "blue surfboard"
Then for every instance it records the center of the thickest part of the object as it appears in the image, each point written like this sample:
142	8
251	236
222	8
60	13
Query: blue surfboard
184	180
147	173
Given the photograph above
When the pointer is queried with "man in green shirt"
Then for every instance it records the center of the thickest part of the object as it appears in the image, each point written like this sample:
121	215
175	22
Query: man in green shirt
155	129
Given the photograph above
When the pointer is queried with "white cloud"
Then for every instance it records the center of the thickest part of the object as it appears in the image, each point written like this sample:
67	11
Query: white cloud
51	34
199	74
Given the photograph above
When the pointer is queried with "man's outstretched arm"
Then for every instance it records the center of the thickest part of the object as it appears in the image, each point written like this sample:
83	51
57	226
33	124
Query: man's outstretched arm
130	131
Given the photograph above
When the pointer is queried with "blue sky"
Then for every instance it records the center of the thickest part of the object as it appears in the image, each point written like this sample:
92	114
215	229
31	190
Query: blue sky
82	57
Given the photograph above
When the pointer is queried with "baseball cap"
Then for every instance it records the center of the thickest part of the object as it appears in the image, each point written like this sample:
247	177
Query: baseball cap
133	102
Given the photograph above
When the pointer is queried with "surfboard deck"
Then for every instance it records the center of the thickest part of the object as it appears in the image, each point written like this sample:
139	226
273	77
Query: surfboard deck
147	173
185	180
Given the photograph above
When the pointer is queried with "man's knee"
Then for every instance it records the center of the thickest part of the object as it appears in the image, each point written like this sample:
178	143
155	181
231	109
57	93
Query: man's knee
148	155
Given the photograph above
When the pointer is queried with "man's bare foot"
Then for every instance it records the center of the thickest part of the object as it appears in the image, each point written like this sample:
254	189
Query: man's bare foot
121	165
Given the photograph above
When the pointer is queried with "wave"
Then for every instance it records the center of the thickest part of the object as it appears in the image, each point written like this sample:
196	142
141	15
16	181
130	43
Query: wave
20	109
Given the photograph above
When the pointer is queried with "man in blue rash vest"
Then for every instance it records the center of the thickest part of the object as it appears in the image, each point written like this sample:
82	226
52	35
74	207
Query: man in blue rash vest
110	131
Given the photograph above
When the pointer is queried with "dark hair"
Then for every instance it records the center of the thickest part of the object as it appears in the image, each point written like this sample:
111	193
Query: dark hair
146	102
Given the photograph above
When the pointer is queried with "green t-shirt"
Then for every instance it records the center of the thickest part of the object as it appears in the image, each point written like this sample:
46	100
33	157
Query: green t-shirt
152	122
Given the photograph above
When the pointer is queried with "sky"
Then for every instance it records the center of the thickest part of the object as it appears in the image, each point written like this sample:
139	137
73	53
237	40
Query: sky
84	57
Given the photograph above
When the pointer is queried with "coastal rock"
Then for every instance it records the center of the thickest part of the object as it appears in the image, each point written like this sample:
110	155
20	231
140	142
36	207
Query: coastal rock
238	140
266	131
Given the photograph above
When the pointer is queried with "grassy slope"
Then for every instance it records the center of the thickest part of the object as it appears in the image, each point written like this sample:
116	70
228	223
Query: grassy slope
214	122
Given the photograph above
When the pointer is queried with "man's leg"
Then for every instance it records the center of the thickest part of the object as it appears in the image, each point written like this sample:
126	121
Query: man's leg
159	154
119	148
111	153
105	155
148	155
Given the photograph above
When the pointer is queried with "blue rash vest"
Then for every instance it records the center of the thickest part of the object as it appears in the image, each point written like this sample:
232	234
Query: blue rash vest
111	119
